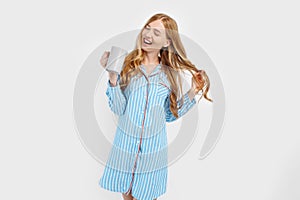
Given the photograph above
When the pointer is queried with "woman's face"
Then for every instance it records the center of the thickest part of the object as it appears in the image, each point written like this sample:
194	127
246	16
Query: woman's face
154	37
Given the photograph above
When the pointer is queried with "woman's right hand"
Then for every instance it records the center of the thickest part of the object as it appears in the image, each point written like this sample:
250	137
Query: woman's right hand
104	58
103	61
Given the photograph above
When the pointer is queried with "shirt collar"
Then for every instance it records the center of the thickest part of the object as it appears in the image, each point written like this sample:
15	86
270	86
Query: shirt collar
157	68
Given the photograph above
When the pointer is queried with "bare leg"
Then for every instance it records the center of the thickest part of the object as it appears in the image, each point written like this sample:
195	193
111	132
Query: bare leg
127	197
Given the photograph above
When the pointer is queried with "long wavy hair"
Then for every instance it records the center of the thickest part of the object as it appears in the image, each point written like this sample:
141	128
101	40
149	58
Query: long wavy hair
173	59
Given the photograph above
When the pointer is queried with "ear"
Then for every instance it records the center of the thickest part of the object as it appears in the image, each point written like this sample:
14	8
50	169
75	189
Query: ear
167	43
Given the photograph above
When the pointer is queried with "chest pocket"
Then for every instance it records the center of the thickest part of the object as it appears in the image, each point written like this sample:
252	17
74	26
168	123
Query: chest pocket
162	90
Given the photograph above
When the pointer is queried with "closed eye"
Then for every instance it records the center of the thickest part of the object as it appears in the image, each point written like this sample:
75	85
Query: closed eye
156	31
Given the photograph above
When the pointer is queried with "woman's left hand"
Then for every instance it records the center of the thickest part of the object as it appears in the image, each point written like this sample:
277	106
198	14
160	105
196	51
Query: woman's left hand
197	86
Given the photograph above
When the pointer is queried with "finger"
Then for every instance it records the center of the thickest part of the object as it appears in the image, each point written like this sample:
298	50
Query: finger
104	55
199	77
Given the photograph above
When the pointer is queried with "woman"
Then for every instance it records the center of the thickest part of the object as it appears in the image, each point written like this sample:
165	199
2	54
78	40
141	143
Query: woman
145	95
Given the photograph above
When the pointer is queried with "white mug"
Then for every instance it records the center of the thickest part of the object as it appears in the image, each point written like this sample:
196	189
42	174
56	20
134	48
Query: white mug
116	59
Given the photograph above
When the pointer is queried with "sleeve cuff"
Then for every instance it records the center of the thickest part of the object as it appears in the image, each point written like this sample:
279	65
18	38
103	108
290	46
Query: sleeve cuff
188	101
117	83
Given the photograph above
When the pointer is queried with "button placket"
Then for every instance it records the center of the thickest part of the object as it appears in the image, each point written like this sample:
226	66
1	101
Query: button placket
139	141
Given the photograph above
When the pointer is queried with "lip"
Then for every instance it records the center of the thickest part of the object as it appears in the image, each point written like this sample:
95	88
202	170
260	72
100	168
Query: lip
147	40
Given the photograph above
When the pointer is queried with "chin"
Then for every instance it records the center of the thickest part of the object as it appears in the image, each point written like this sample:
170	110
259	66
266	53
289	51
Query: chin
148	49
145	49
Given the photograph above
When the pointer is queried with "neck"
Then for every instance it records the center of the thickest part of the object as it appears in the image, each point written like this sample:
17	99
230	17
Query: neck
151	58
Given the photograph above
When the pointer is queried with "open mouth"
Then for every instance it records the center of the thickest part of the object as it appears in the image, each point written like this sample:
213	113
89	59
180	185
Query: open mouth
147	42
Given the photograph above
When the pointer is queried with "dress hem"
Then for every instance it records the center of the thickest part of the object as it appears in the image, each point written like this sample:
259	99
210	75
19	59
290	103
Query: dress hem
132	194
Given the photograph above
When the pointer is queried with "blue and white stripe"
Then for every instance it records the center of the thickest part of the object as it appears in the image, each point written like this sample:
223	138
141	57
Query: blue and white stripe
141	139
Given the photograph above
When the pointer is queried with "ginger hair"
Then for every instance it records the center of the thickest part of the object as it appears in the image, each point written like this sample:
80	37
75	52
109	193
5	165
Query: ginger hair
173	59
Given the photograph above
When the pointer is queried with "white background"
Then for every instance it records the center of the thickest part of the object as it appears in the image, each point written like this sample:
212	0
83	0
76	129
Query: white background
254	45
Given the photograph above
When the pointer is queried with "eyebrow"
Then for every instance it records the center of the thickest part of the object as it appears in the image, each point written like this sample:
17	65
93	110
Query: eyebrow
154	28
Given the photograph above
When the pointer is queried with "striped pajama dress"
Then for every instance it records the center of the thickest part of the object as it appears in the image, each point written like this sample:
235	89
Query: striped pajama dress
138	160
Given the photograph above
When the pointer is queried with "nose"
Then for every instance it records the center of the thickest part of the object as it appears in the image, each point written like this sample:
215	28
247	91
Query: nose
149	33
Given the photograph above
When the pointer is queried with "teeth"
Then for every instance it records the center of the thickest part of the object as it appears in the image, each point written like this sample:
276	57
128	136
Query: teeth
147	41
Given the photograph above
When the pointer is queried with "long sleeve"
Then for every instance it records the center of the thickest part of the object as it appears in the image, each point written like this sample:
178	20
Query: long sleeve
116	99
187	105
